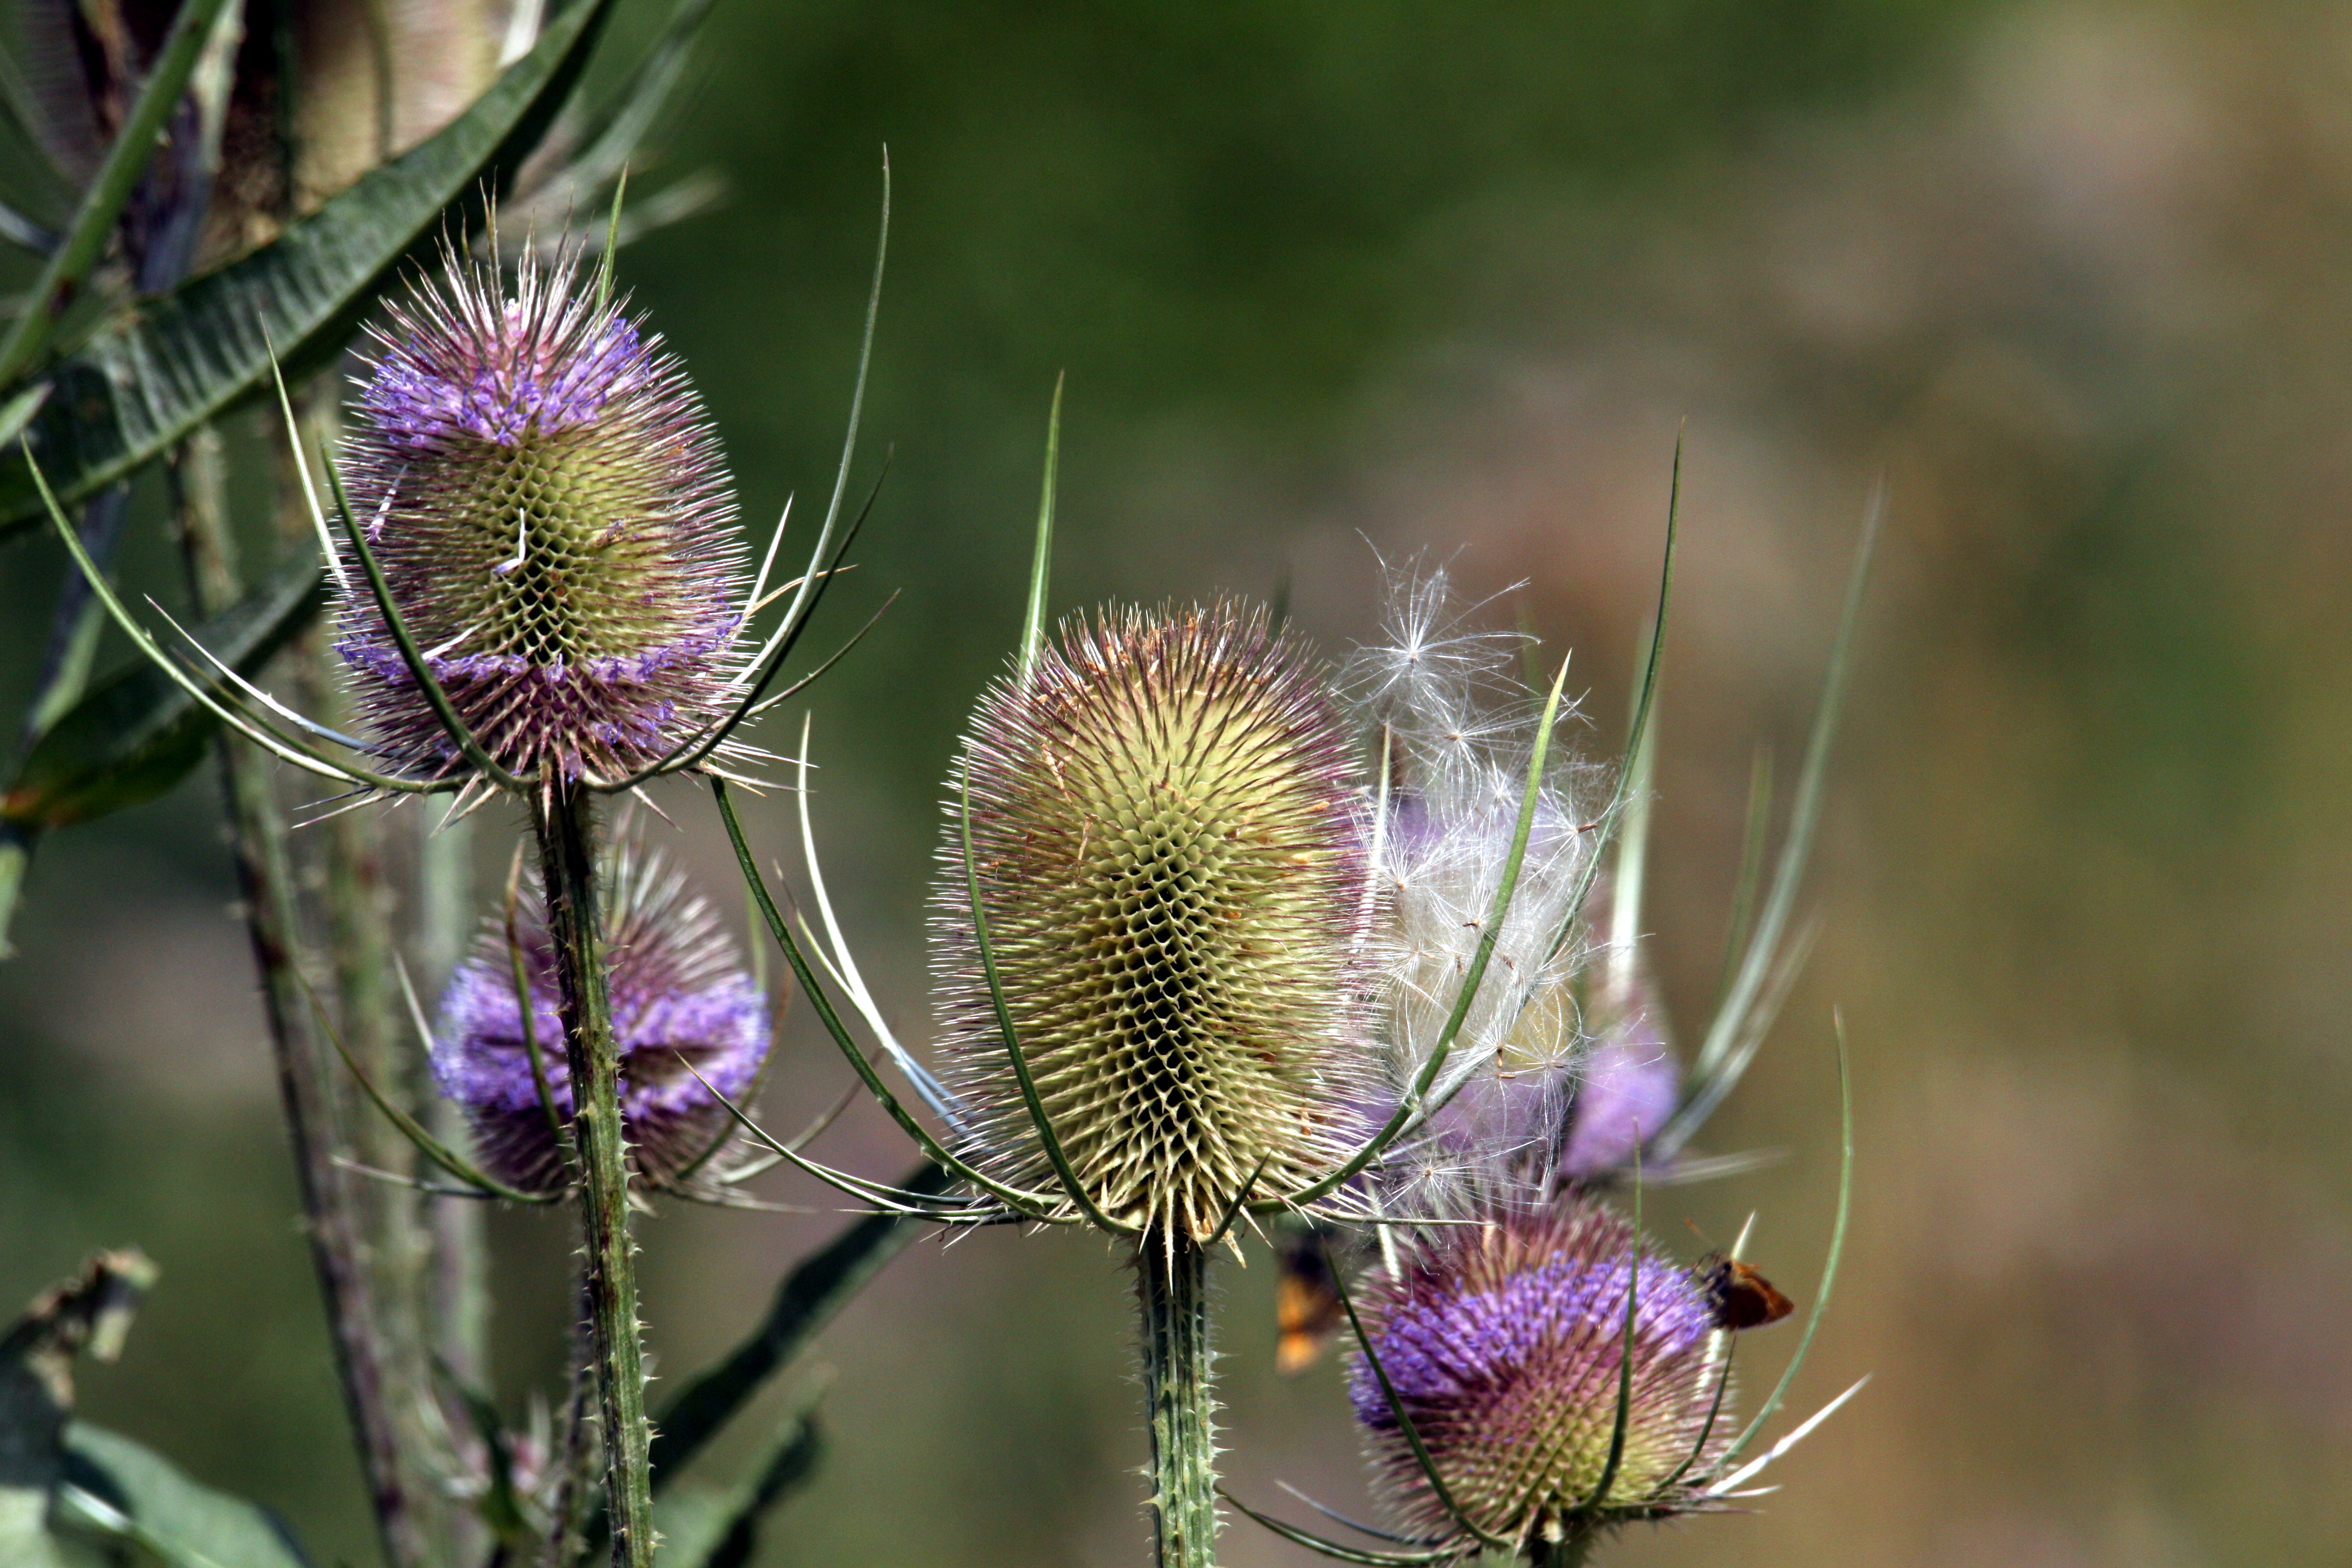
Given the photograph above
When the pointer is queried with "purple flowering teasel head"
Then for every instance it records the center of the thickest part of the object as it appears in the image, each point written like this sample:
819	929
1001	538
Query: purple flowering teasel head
554	523
680	997
1503	1342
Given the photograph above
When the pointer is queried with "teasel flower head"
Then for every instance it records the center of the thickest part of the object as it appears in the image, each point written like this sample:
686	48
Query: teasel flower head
1504	1342
682	1005
1163	819
554	522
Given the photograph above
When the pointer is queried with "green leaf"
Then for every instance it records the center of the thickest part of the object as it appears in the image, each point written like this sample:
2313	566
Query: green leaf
716	1526
85	1316
28	1542
134	149
137	733
149	379
144	1498
805	1301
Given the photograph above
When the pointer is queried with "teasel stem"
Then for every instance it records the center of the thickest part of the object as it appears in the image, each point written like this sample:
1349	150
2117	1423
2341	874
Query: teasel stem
564	820
1172	1284
458	1305
568	1526
349	857
265	886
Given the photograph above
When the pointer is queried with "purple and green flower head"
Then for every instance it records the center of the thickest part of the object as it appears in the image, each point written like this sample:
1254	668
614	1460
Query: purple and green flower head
555	525
1504	1343
682	1005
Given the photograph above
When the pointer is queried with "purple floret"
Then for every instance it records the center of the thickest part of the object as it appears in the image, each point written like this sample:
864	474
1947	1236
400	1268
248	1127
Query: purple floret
552	514
679	997
1631	1086
428	389
1503	1342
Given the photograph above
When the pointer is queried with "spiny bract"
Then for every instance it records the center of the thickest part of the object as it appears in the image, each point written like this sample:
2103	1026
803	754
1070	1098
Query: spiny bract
679	997
554	521
1163	829
1504	1342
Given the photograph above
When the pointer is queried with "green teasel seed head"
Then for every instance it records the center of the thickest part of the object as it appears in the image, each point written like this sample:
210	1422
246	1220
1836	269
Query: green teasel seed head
1164	820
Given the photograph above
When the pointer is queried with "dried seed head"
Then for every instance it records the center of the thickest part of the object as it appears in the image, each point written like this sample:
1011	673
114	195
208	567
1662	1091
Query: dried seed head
679	996
1162	825
552	516
1503	1342
1559	1058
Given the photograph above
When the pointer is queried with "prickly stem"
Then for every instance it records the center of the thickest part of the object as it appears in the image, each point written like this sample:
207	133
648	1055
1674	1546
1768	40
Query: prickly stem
565	824
265	886
1173	1285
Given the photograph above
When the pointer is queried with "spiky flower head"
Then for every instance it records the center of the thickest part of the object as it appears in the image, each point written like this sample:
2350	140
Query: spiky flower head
1164	832
555	524
1504	1342
680	998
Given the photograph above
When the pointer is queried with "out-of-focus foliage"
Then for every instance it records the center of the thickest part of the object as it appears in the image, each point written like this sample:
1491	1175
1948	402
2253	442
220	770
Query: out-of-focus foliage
137	733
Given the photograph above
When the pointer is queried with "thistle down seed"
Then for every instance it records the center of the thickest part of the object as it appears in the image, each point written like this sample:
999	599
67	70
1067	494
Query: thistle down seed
1163	828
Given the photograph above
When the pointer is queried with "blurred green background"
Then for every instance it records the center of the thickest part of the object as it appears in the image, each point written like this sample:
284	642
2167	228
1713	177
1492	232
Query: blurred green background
2074	277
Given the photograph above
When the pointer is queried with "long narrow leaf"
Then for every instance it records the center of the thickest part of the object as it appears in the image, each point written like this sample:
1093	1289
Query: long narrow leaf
805	1300
135	148
1829	1267
136	733
847	974
1339	1554
820	572
1041	559
203	692
1804	812
143	383
702	1526
1752	840
1036	1206
1638	733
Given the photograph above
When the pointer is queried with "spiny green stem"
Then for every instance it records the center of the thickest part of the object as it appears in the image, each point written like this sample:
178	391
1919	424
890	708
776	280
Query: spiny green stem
459	1312
567	850
1172	1283
265	876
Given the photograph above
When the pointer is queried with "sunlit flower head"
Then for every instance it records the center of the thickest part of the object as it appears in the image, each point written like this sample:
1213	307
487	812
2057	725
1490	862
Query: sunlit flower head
555	524
1163	821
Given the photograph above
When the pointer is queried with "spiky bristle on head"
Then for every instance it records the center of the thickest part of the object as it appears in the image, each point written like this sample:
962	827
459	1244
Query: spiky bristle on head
1503	1342
556	525
679	996
1162	824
